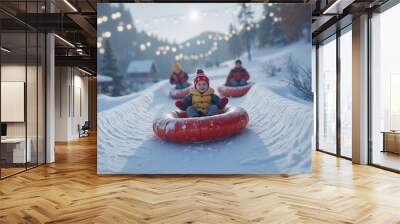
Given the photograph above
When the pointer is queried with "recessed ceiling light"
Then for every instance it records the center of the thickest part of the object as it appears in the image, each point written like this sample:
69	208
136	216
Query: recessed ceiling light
5	50
338	6
84	71
70	5
64	40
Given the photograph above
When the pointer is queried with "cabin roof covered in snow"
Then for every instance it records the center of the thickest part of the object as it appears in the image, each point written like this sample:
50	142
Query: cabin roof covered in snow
139	66
104	78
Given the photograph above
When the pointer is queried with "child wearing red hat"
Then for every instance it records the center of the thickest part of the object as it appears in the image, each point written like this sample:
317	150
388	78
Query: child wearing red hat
201	101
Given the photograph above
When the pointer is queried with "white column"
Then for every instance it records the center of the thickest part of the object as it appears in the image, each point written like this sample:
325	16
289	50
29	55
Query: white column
360	90
50	99
314	89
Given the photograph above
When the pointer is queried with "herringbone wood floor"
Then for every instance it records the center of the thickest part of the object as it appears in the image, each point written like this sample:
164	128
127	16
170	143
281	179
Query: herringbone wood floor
70	191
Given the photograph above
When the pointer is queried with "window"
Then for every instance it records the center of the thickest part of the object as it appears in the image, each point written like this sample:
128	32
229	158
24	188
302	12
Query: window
385	89
327	96
346	94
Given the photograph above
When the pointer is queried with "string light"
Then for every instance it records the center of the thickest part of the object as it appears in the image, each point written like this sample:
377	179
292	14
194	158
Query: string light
115	15
120	28
163	50
106	34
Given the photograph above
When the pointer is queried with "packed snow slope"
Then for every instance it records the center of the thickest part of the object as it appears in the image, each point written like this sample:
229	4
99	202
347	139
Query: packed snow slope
277	138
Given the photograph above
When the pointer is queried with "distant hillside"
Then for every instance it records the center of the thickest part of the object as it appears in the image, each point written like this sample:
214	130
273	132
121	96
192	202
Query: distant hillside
220	55
126	45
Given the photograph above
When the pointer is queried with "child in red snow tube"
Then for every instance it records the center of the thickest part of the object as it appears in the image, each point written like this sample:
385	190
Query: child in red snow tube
179	78
238	76
201	101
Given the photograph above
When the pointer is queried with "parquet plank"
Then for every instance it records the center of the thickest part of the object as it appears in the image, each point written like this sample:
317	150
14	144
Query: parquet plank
70	191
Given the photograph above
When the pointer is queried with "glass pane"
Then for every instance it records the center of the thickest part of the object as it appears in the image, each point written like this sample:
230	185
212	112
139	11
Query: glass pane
13	86
346	93
386	89
327	97
31	97
41	98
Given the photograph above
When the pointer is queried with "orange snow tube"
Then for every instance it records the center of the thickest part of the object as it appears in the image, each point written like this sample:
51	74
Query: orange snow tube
234	91
177	127
179	93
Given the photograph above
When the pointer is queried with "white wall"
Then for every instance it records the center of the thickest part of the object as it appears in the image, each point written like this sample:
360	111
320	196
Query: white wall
61	103
12	73
70	84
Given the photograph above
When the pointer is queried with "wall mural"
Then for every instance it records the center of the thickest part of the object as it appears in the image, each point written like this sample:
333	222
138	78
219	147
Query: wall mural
195	88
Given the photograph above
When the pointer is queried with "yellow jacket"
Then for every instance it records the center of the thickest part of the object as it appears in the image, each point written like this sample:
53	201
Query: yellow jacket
202	101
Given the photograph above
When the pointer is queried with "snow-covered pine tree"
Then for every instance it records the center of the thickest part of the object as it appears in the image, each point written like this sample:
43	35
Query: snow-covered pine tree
235	47
296	25
109	68
269	34
245	17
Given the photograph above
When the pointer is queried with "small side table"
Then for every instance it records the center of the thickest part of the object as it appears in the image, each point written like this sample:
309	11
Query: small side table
391	141
17	149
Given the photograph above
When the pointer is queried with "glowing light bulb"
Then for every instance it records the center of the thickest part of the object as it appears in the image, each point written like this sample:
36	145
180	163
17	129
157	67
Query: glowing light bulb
106	34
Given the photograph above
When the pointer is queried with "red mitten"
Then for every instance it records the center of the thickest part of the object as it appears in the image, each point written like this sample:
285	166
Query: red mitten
223	101
179	104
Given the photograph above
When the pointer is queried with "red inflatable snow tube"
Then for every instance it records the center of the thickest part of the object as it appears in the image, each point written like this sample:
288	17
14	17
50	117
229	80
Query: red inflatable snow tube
179	93
177	127
234	91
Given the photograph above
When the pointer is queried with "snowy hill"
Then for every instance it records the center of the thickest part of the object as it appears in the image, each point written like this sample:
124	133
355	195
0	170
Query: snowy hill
277	139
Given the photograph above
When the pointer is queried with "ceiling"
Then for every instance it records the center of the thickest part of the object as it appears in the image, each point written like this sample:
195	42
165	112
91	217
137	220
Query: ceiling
75	21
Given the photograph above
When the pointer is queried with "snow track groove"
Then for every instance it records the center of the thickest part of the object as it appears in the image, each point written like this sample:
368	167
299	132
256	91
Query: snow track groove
277	138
